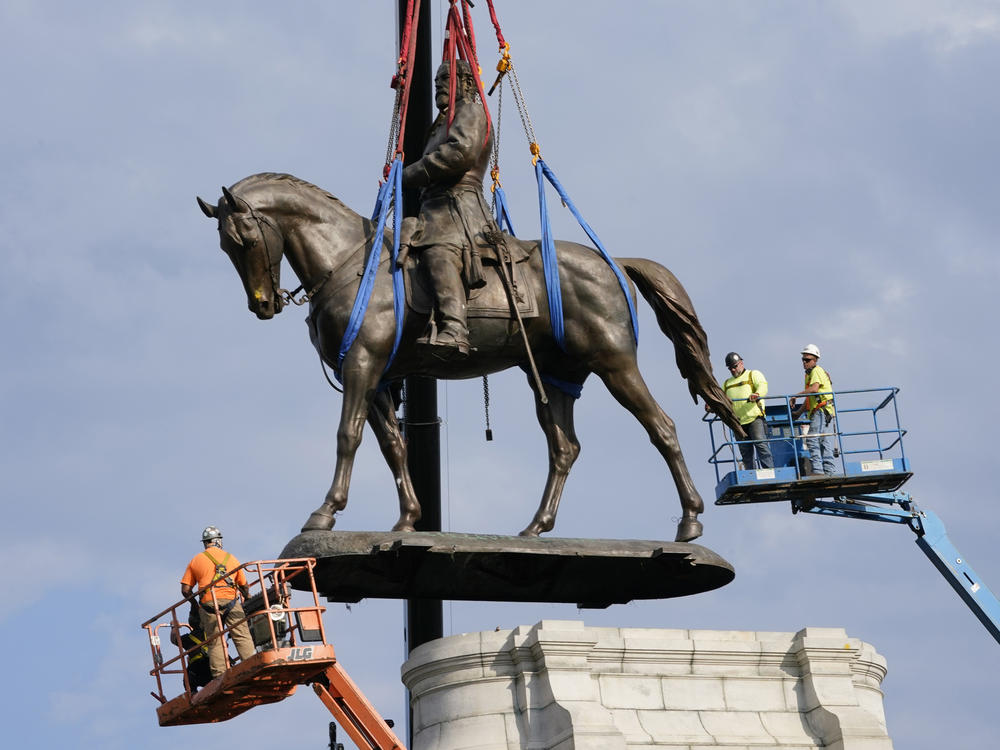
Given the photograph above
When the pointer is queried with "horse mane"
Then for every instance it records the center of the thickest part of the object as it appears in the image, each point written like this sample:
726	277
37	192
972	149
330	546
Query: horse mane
255	180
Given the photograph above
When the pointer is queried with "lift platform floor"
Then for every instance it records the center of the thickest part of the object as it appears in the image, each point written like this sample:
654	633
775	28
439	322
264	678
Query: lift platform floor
810	487
353	565
267	677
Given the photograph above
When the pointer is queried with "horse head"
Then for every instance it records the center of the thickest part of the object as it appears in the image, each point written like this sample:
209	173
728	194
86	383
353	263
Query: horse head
254	244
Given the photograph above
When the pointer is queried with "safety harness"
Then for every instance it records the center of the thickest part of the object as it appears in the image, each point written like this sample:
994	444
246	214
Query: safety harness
825	402
221	574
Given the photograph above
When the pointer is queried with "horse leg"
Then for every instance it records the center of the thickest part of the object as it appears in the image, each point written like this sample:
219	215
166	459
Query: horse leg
382	418
628	387
556	419
358	394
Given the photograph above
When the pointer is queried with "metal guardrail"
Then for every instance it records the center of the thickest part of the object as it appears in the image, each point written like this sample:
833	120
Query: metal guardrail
867	427
273	621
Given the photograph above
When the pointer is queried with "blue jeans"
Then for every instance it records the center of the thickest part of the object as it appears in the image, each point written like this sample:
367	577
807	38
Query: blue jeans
821	448
756	430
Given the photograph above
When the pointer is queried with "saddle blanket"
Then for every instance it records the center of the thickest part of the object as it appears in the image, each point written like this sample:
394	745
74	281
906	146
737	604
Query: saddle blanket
489	301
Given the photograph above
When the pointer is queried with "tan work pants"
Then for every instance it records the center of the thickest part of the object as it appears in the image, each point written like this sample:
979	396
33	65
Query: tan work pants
240	635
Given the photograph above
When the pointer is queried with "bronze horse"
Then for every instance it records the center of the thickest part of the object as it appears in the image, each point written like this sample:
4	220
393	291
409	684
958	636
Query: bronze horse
269	216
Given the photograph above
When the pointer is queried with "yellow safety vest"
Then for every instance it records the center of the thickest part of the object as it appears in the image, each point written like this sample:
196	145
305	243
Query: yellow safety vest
818	375
740	387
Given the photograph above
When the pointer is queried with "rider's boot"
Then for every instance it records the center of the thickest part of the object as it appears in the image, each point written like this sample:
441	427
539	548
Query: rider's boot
453	332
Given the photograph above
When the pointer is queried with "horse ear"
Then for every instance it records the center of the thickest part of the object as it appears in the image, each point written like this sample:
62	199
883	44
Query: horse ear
231	200
208	209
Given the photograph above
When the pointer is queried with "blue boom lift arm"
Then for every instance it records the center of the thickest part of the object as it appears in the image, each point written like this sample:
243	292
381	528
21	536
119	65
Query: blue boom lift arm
898	507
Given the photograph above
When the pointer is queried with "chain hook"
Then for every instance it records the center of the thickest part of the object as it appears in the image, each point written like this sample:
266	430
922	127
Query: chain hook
503	65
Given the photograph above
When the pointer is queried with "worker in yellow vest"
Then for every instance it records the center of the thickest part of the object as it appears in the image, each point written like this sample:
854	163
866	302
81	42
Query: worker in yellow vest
820	440
746	389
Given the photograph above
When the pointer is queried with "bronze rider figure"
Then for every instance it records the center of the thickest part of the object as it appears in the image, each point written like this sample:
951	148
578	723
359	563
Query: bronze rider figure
454	220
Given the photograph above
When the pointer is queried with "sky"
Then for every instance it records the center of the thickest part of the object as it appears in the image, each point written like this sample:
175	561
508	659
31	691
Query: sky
812	172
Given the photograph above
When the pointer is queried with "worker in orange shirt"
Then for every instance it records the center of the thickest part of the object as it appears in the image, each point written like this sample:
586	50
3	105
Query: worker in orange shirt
219	591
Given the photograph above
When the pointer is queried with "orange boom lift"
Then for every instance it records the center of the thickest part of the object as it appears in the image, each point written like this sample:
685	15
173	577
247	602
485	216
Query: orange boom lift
291	650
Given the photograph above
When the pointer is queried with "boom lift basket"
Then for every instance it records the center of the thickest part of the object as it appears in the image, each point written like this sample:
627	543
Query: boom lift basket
869	449
291	648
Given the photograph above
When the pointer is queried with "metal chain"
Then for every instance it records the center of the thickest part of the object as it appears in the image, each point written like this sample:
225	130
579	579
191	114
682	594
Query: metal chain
486	405
390	149
288	297
496	130
495	171
522	107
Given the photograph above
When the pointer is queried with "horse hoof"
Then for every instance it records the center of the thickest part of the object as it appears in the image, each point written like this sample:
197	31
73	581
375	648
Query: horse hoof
401	526
319	521
688	529
530	531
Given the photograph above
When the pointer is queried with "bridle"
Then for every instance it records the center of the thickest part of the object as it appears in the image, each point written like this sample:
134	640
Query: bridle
274	264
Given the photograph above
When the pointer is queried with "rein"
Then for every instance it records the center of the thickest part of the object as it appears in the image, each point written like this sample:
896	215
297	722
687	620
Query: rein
287	297
272	264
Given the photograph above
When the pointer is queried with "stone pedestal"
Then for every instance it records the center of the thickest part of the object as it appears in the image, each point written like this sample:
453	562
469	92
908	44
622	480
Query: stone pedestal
559	685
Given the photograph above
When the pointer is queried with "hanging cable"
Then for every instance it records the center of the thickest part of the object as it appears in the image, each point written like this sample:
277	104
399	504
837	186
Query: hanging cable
404	77
459	44
496	25
389	199
549	259
499	206
543	172
486	406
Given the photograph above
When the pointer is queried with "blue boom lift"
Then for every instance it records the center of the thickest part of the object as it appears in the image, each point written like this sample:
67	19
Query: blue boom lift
873	468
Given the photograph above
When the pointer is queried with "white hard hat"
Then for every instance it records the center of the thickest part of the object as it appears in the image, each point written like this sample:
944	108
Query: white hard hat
811	349
210	533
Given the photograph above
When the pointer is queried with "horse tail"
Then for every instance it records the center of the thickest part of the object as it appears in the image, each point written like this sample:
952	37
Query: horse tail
678	320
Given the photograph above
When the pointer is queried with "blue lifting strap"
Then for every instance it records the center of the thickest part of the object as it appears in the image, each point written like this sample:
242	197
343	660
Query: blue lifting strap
391	189
502	212
550	265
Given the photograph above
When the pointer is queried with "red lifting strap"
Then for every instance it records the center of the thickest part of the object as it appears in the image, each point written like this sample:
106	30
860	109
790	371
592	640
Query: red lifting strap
459	43
468	26
496	25
407	51
404	45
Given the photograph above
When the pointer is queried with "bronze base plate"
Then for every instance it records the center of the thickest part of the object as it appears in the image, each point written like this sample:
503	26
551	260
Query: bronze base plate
594	573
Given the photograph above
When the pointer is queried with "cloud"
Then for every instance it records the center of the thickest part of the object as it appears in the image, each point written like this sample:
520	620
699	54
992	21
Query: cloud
882	322
741	146
950	26
57	563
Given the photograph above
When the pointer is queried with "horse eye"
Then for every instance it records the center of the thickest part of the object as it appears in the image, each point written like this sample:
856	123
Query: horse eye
233	237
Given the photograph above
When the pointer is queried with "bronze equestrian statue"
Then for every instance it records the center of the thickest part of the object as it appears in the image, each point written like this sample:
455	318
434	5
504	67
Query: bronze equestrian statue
269	216
266	217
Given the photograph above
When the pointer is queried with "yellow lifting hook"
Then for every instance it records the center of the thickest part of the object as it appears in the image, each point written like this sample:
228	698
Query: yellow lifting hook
503	65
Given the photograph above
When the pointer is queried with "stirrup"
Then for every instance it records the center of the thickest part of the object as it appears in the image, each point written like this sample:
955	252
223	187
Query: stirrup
445	342
455	341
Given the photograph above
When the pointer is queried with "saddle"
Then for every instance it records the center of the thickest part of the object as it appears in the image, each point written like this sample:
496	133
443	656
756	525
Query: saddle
487	301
